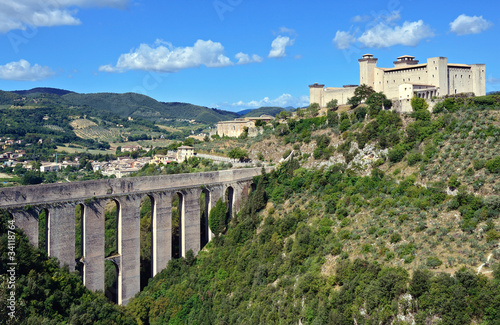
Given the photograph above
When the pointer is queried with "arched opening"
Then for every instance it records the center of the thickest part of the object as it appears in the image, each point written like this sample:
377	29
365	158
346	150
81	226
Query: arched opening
229	198
43	230
204	211
79	238
111	281
253	187
147	215
111	213
177	213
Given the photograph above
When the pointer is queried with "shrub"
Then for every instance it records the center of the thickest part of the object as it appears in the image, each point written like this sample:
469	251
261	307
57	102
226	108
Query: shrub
397	153
433	262
333	104
493	165
413	158
453	182
344	125
395	238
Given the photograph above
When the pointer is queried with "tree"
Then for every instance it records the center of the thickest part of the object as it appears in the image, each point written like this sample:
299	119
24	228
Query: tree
332	118
237	153
418	104
344	125
361	94
217	218
377	101
333	104
32	177
313	109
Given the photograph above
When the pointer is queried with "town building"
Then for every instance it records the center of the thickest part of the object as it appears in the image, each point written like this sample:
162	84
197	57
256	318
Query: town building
434	78
184	152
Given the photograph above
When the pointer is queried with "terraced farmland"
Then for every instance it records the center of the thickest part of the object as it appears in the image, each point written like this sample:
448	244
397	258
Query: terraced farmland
87	129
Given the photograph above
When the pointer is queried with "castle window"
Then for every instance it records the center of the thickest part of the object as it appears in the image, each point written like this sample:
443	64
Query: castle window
435	68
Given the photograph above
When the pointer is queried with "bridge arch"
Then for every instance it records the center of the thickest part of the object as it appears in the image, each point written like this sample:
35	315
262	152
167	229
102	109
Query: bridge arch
43	229
229	199
147	219
205	207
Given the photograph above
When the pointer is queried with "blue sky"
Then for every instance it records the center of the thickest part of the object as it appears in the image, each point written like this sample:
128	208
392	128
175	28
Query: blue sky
232	54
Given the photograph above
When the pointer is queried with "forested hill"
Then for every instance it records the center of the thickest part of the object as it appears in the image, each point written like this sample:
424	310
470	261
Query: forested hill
123	105
411	237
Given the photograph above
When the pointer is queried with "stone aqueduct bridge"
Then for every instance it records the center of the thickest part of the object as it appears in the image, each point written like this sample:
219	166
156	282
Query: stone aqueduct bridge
60	201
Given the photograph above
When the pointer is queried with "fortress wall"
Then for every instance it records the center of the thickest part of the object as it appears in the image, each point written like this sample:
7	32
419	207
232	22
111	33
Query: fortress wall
460	80
340	94
392	79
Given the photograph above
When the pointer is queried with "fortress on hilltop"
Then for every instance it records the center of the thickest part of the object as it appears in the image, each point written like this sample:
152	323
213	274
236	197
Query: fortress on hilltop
408	77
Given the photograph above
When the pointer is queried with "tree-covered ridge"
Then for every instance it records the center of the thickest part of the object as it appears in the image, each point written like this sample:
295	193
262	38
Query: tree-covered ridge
121	105
301	262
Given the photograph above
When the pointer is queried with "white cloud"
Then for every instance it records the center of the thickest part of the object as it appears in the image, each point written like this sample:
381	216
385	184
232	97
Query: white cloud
493	80
289	31
278	46
22	70
163	57
408	34
19	14
383	31
244	58
285	100
343	40
360	19
464	25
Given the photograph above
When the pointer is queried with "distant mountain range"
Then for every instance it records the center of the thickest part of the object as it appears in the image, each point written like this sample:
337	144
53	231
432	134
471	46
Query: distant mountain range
125	105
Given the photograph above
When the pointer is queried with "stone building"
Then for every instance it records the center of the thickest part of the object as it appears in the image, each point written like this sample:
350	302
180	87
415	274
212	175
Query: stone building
184	152
236	127
408	77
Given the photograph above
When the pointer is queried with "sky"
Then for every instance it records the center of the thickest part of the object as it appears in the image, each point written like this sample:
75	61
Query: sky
232	54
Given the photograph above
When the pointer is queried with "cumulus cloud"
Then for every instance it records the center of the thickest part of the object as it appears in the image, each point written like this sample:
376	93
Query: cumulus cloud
164	57
383	31
244	58
343	40
22	70
285	100
18	14
383	35
464	25
278	46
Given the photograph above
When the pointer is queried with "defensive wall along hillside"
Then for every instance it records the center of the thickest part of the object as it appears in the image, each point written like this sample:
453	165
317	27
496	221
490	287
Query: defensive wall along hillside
60	200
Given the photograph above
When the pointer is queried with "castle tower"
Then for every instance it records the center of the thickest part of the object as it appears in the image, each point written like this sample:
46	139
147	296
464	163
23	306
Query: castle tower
316	94
437	74
367	65
478	79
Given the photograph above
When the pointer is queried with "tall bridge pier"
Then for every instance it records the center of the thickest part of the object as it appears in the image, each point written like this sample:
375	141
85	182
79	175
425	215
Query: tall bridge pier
60	200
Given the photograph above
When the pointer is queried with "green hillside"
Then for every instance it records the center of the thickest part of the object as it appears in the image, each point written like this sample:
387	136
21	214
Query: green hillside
410	237
122	105
273	111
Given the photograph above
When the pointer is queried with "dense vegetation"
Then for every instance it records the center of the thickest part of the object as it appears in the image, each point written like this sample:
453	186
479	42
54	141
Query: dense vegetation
415	239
